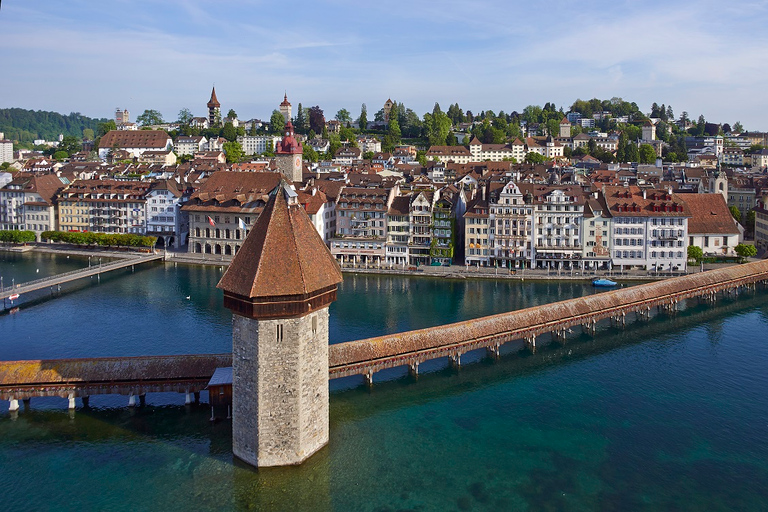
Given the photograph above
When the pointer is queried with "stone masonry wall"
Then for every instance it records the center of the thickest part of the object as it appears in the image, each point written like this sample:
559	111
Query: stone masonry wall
280	389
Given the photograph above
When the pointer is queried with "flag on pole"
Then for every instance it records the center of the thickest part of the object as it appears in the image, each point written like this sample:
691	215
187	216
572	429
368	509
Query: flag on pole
210	221
241	224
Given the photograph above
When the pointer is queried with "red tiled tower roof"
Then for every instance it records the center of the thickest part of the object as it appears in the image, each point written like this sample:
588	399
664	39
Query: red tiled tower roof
283	268
214	102
289	145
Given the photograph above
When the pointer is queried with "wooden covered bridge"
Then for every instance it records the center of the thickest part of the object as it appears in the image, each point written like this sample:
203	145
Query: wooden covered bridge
131	376
365	357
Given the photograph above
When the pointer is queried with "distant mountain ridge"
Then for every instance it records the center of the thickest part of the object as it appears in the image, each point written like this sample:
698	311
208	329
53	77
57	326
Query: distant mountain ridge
23	125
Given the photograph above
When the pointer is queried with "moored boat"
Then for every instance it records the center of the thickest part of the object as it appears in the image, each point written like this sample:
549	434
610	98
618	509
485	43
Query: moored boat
603	282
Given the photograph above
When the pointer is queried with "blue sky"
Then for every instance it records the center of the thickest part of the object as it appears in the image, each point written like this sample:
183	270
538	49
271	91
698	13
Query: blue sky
699	56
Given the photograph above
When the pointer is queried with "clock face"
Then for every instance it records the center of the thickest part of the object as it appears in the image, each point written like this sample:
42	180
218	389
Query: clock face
297	161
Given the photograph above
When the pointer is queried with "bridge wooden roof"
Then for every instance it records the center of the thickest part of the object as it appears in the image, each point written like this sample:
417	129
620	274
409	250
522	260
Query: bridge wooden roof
111	369
423	339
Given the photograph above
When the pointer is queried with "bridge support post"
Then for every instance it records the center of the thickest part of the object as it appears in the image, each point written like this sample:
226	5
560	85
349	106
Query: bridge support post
142	399
530	343
131	400
493	350
455	360
26	402
197	397
413	369
13	405
86	401
188	398
71	401
368	378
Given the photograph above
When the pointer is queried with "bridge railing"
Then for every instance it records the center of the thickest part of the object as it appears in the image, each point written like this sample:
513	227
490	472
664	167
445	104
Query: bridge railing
101	266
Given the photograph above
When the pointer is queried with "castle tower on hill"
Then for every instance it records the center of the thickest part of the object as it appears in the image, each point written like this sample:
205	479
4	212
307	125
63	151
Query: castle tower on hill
279	287
285	108
214	109
288	155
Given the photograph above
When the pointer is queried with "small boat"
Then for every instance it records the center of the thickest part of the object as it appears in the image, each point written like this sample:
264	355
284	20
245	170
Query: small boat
14	296
603	282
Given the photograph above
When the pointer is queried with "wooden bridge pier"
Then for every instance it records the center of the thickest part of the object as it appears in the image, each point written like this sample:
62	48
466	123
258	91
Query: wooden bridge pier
413	369
530	343
455	360
493	351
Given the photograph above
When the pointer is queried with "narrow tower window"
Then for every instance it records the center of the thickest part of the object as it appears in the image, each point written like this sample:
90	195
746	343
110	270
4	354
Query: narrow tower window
279	333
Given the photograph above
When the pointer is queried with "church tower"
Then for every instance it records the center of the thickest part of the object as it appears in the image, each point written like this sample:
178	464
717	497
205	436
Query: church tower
288	155
279	287
285	108
214	109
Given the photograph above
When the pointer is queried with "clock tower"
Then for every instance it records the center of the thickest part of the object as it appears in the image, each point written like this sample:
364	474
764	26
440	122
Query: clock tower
288	155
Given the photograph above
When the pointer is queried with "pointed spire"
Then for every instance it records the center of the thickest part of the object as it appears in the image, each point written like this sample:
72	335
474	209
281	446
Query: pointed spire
213	102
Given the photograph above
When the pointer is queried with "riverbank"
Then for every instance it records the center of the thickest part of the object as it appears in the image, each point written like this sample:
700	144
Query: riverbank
452	272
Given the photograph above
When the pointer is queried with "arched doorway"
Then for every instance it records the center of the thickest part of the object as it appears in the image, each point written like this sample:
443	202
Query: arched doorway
198	248
228	250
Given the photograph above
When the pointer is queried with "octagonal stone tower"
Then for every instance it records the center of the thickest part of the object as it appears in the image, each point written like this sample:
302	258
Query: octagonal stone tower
279	287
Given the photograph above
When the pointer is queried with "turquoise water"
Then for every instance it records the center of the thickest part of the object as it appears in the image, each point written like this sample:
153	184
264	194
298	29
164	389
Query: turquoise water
664	415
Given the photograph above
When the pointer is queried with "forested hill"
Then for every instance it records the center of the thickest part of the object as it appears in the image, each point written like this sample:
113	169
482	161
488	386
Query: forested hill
23	125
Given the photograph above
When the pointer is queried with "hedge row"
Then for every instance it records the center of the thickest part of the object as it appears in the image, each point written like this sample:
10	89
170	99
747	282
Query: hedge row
17	237
104	239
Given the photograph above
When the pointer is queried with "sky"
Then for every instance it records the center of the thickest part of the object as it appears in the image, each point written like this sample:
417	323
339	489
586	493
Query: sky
702	57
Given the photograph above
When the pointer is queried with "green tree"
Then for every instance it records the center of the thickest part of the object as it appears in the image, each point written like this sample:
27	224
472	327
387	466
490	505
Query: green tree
362	121
150	117
185	117
106	127
746	250
437	126
393	128
309	153
455	114
735	212
276	122
647	155
88	134
229	132
300	121
234	152
334	143
695	253
70	145
737	127
232	114
534	158
61	155
749	223
343	116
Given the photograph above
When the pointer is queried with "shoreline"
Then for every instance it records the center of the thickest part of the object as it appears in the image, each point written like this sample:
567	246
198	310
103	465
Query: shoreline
457	272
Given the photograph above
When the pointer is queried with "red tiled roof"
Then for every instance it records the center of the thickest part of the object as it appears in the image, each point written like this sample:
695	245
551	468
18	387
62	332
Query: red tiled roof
283	255
710	215
135	139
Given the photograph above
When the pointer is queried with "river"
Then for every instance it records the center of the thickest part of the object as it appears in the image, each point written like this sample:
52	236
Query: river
667	414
